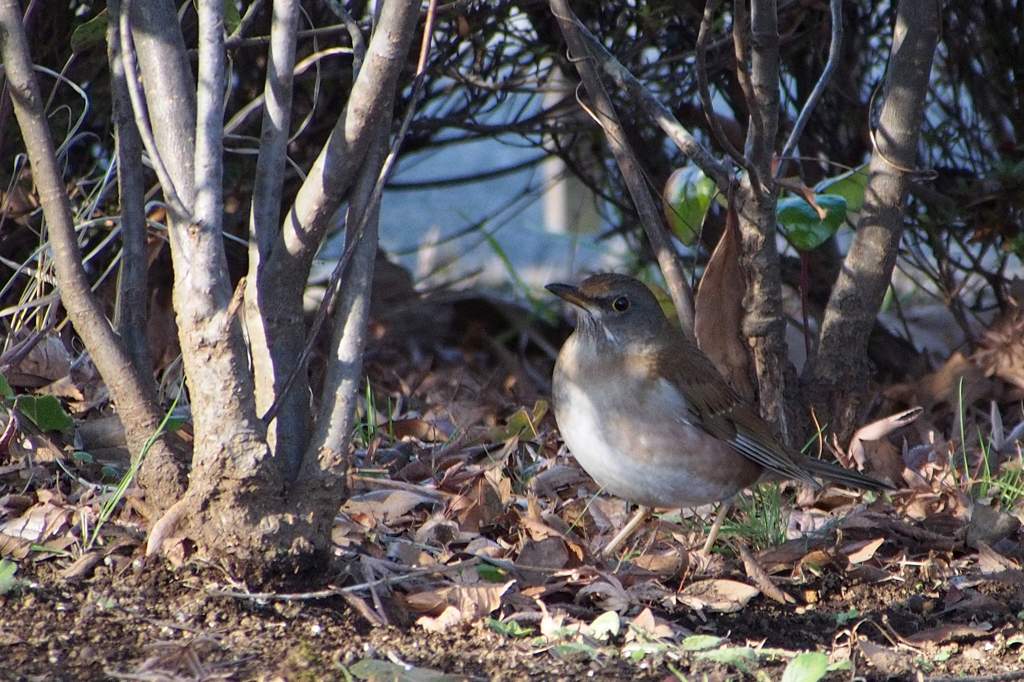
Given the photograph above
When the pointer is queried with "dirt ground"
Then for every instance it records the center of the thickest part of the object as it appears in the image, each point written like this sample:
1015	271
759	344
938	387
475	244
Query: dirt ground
136	621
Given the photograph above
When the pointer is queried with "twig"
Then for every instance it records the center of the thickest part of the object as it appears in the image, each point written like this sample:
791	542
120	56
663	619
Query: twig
647	209
743	76
834	47
277	108
652	106
130	315
337	591
700	54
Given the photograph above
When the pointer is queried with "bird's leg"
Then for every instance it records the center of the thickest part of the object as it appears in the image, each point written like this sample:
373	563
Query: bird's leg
639	517
723	509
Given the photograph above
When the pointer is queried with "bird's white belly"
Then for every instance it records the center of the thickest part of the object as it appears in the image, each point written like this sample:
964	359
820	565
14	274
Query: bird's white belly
662	480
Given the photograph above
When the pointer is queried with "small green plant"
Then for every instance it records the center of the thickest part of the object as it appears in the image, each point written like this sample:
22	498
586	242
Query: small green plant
107	510
760	518
8	583
368	426
844	617
509	628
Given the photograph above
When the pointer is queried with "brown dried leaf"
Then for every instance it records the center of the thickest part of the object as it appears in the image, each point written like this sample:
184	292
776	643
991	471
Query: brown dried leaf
41	524
456	604
876	431
948	633
447	619
48	361
387	505
1001	349
718	310
943	385
665	564
539	558
647	625
988	526
885	660
718	594
859	552
764	582
420	429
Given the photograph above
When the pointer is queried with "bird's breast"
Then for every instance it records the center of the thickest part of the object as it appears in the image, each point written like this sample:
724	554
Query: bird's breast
636	437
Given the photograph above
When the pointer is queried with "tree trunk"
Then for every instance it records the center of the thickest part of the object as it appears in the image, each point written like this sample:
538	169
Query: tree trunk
836	381
763	324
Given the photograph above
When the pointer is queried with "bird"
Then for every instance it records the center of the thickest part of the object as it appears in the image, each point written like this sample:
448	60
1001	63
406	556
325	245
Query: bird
648	416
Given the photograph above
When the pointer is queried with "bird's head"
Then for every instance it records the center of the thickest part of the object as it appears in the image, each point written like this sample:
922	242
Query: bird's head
615	310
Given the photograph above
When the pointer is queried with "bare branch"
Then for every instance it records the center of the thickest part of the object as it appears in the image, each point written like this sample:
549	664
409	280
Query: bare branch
209	332
652	106
133	395
700	52
264	222
344	368
209	163
131	315
646	206
834	47
277	109
763	324
138	98
327	185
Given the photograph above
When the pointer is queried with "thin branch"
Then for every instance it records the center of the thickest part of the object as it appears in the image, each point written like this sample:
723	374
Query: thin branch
134	396
700	54
277	108
834	48
328	447
652	106
131	315
755	126
647	208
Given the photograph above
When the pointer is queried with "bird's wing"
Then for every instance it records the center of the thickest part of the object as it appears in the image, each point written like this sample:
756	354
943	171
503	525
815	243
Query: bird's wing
720	411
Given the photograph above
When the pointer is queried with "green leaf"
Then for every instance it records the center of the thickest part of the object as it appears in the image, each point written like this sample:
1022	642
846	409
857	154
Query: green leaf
508	628
845	617
739	657
809	666
45	412
800	222
688	194
7	580
700	642
231	16
82	457
90	34
6	392
491	573
851	186
386	671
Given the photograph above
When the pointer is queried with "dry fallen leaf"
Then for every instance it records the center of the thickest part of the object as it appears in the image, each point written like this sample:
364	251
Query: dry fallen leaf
859	552
718	594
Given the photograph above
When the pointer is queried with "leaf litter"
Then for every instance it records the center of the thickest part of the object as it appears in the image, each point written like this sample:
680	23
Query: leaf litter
471	541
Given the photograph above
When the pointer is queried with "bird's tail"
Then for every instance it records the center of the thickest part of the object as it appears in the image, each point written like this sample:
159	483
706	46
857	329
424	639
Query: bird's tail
834	472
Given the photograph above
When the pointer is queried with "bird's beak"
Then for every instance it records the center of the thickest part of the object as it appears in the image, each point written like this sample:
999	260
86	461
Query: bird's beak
570	294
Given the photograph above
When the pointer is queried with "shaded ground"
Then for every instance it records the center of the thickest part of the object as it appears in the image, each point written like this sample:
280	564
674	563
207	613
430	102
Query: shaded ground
153	623
469	548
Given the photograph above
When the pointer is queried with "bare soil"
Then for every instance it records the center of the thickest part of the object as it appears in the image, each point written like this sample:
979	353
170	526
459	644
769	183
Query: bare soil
149	622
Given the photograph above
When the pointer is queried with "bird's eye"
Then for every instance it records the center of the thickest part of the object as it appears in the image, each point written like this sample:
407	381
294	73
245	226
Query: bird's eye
621	304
